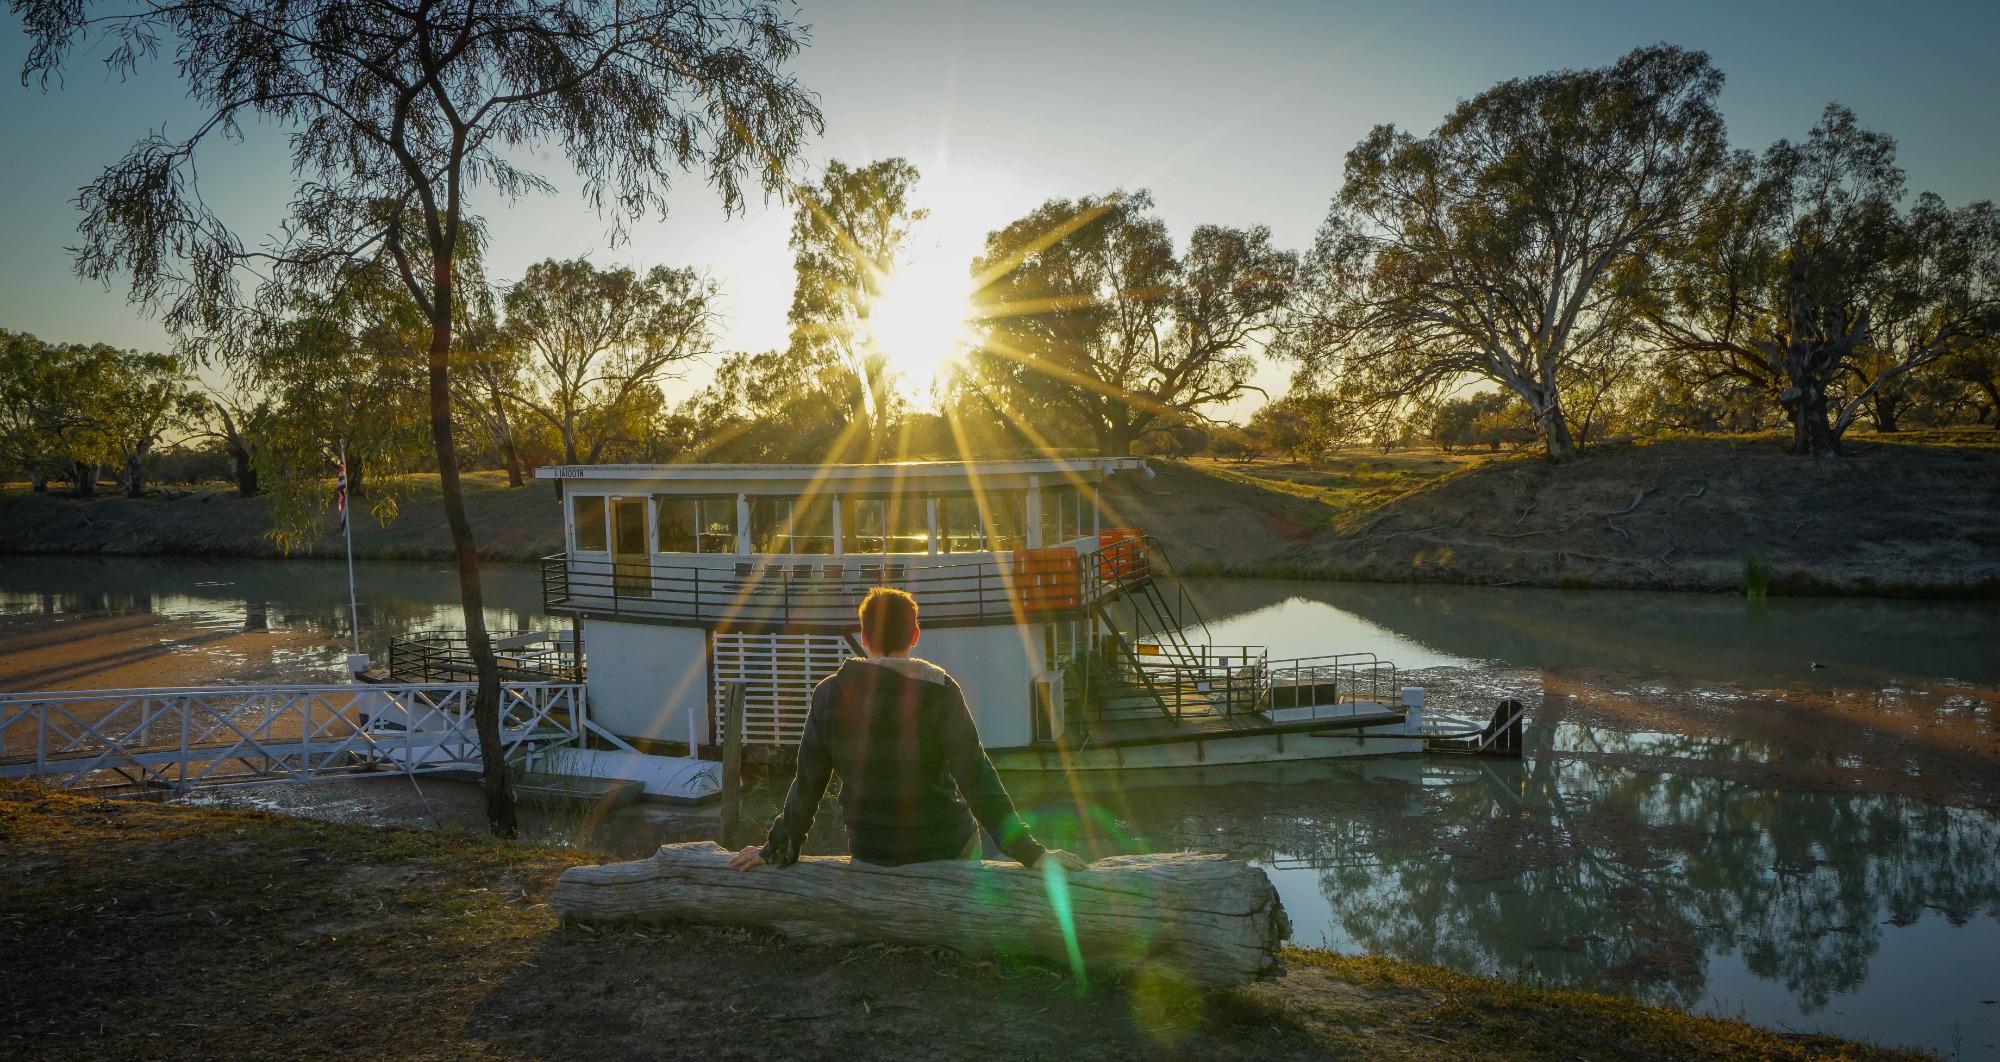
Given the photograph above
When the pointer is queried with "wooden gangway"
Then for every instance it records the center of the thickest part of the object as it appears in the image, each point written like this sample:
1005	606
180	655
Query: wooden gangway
180	738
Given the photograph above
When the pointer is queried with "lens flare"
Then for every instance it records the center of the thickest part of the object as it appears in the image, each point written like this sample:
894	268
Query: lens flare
1056	880
919	325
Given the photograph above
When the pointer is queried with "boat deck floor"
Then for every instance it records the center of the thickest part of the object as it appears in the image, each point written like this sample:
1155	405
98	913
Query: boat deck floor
1207	722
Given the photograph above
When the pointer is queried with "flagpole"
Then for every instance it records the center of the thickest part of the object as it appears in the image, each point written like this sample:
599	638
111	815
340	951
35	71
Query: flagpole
347	531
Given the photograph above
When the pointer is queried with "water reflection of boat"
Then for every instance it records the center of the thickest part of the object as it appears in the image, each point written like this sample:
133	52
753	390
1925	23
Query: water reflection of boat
1075	643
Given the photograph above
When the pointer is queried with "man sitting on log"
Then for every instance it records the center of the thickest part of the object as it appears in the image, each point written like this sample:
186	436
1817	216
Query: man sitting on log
897	730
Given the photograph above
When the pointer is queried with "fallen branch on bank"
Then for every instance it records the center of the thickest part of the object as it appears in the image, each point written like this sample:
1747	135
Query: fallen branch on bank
1637	500
1205	919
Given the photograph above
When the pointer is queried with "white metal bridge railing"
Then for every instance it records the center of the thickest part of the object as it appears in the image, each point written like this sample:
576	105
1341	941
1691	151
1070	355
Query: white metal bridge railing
181	738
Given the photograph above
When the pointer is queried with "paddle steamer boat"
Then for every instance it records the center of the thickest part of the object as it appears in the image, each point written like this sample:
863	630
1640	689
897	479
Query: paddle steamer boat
1077	647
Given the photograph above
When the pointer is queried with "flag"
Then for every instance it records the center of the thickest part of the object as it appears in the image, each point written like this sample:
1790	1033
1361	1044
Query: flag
340	494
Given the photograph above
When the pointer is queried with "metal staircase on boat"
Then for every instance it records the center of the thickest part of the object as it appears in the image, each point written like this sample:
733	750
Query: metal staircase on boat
1159	670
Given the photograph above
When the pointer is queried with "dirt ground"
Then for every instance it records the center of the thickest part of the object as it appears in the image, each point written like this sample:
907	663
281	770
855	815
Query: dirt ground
1915	515
130	929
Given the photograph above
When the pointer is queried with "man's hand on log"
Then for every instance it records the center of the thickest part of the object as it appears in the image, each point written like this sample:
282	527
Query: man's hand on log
749	858
1058	857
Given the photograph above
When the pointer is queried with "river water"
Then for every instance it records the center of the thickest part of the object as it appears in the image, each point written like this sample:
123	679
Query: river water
1784	810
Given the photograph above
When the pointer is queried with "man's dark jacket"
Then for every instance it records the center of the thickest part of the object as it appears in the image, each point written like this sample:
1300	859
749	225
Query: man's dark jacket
898	732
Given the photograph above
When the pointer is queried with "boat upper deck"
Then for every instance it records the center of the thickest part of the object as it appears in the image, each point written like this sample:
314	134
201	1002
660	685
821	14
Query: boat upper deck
796	545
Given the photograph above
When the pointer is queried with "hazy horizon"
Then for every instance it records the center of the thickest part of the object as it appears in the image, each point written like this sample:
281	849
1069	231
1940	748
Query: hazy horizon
1229	115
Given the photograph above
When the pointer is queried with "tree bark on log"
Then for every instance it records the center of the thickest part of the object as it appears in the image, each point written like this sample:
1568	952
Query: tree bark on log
1204	919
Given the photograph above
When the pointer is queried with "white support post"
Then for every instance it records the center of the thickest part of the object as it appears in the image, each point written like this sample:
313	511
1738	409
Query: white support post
1034	512
835	501
743	524
930	517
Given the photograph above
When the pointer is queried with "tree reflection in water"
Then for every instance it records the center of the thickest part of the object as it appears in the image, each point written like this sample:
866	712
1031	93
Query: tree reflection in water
1574	873
395	597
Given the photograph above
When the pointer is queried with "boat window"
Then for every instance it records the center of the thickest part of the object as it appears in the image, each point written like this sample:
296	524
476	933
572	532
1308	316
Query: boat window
812	525
718	525
898	524
770	525
958	524
697	525
1063	515
862	525
678	518
1006	519
909	524
629	521
791	525
587	517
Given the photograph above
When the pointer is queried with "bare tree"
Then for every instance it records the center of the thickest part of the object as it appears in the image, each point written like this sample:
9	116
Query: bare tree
395	113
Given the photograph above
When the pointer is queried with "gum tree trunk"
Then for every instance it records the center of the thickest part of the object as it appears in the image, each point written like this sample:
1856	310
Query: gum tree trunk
1882	409
244	472
486	701
1812	430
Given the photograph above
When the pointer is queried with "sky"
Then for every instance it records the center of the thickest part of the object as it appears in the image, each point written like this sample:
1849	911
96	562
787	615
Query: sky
1232	113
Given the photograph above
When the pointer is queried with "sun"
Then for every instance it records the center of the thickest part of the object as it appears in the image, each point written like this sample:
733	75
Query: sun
919	324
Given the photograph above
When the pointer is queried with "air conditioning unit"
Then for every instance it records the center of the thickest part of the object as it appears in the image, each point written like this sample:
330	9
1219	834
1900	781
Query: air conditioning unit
1045	705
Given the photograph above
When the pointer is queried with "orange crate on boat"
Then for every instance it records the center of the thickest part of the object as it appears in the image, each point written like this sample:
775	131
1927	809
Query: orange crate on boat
1046	579
1121	554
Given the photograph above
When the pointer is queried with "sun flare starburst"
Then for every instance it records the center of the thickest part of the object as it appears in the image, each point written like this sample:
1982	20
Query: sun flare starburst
919	325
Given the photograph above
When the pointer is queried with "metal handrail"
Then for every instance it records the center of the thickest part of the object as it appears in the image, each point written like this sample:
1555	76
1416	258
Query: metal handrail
824	590
430	656
1349	676
187	736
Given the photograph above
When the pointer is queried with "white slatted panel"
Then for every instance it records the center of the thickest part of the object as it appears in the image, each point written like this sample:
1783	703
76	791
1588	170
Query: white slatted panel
779	672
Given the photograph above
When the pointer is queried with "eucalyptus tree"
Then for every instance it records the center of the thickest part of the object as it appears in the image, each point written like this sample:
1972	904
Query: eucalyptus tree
145	397
1089	316
345	377
850	232
239	419
489	365
59	403
417	106
30	408
1808	280
1498	246
599	343
774	406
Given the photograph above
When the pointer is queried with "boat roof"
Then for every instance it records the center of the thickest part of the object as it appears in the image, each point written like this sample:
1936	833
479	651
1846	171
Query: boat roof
897	471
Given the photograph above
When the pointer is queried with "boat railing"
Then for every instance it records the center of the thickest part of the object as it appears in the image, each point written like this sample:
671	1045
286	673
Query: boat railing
1335	678
1210	679
444	656
180	738
805	591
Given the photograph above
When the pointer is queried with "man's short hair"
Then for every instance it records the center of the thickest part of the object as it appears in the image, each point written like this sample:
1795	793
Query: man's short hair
888	620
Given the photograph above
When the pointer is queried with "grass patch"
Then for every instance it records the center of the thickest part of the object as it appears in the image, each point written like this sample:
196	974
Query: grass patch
1756	576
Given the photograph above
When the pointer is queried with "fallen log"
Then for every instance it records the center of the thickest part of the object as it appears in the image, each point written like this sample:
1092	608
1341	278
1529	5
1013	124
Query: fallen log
1204	919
